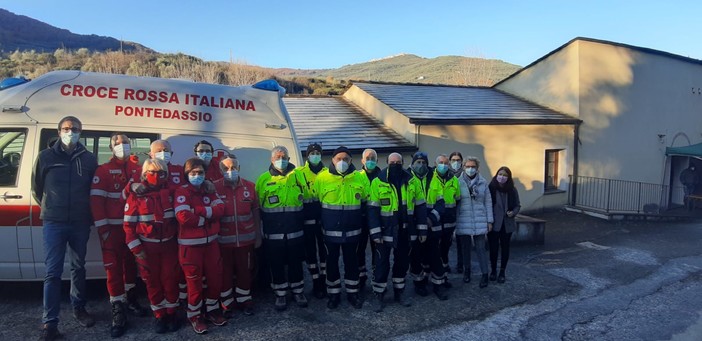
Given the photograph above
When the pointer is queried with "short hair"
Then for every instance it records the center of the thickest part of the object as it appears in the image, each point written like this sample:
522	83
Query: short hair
230	157
440	156
168	144
73	119
402	159
472	158
279	149
114	135
157	163
363	155
193	163
202	142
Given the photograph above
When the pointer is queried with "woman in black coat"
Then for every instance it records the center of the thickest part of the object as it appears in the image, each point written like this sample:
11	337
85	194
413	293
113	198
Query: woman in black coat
505	203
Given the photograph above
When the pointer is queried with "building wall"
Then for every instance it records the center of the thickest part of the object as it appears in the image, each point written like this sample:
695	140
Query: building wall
382	112
519	147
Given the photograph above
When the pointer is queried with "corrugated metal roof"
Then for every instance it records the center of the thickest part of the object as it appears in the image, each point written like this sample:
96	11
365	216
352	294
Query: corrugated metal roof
333	121
432	104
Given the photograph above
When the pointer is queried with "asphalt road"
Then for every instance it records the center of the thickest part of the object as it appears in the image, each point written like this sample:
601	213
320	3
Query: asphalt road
592	280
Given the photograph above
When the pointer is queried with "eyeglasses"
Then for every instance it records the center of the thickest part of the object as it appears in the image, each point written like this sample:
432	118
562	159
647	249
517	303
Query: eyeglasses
203	151
73	129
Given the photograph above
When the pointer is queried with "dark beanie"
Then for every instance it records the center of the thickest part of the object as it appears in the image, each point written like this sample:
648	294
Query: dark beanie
313	147
341	149
420	156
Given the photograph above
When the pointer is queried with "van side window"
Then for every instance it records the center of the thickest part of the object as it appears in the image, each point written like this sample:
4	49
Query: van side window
98	142
11	151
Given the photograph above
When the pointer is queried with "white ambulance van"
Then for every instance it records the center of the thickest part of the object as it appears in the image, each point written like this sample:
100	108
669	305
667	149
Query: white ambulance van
247	121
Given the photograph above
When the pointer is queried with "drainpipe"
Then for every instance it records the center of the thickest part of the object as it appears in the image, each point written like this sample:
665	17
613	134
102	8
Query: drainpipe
417	129
574	184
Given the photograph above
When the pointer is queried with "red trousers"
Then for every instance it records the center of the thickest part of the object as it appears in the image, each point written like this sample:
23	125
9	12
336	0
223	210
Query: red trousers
198	261
237	262
119	262
159	271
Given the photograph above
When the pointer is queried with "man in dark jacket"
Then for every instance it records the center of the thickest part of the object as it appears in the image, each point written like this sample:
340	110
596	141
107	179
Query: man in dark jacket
61	183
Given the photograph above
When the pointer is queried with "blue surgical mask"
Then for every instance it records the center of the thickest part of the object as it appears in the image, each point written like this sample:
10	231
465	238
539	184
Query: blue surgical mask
206	156
471	171
281	164
342	167
196	180
232	175
165	156
420	169
69	138
455	165
315	159
370	164
442	168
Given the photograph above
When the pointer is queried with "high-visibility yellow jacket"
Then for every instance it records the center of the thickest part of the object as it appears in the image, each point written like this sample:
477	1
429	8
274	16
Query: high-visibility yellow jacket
343	197
280	195
306	176
443	194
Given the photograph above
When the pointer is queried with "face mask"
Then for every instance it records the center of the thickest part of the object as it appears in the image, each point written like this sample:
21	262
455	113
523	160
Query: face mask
370	165
394	169
196	180
165	156
442	168
232	175
206	156
315	159
471	171
455	165
69	138
280	164
342	167
121	150
155	179
420	169
501	179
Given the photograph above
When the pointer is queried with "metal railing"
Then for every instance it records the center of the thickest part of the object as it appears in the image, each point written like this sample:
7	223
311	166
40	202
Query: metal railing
619	196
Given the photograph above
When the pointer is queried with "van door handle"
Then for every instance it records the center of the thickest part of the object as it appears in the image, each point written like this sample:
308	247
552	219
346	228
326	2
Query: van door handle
10	196
276	126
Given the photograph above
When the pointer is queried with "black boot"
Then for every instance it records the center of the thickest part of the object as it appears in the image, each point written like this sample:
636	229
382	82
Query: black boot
377	303
484	281
334	300
493	275
501	277
161	325
420	288
119	319
319	289
440	292
362	280
401	298
133	304
354	300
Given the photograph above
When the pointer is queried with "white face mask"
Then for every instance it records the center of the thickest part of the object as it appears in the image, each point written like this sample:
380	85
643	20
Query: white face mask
342	167
69	138
122	150
165	156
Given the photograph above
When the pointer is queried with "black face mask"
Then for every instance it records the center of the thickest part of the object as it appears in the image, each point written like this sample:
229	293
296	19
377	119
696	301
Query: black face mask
394	169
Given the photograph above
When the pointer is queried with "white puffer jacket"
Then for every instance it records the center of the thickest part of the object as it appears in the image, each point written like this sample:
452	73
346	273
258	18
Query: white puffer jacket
474	213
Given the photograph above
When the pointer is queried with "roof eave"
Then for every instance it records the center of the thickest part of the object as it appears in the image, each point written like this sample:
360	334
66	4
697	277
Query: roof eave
495	121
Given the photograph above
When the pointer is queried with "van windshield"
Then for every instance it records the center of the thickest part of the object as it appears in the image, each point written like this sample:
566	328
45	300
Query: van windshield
10	82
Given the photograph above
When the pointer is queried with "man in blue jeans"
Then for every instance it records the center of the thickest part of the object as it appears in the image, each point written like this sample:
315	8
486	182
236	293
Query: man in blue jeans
61	183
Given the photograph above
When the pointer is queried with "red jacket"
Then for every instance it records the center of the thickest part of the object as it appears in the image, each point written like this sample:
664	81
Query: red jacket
106	201
198	215
238	227
149	218
213	173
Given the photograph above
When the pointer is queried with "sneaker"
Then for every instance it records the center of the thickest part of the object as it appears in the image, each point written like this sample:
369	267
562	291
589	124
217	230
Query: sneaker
199	325
248	311
354	300
83	317
161	325
216	318
50	332
300	300
281	303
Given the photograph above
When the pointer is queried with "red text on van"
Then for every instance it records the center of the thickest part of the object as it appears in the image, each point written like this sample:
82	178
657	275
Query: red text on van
89	91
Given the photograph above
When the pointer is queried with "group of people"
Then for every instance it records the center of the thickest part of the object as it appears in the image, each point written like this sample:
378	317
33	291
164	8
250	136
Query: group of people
192	231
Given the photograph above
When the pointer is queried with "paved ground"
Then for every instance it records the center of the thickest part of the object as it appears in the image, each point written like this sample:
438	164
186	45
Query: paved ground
593	279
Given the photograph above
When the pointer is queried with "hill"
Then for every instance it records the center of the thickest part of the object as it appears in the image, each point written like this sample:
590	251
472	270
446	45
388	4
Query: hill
19	32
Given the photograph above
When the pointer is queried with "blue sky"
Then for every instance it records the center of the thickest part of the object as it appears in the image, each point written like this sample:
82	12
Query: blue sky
330	34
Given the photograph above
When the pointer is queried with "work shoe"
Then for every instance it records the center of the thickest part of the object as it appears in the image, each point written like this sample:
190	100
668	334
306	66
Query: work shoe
119	319
227	313
377	303
300	300
440	292
493	276
173	323
420	288
83	317
198	323
333	301
281	303
501	277
248	311
362	283
466	277
216	317
447	284
401	298
319	289
483	281
354	300
161	325
133	304
50	332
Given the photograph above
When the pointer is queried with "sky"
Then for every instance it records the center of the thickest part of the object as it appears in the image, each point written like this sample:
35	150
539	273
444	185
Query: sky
310	34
